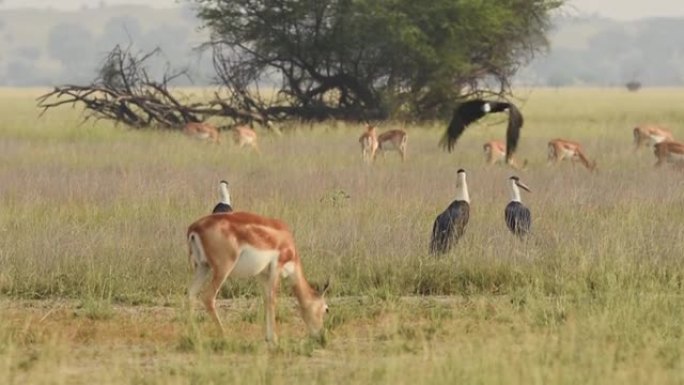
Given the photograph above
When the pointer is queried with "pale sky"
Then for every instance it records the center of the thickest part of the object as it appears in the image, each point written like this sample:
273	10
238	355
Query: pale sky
616	9
629	9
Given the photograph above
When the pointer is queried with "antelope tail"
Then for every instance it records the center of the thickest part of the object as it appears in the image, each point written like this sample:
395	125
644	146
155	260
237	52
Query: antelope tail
196	250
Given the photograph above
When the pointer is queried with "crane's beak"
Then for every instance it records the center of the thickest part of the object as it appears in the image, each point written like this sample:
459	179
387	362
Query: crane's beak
523	186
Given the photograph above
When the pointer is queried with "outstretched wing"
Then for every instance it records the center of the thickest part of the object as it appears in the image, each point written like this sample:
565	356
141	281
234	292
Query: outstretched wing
515	122
464	114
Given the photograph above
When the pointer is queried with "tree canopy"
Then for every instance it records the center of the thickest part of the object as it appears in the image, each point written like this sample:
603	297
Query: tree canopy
370	58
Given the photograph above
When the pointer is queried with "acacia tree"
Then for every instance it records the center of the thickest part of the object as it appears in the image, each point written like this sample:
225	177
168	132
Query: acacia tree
368	58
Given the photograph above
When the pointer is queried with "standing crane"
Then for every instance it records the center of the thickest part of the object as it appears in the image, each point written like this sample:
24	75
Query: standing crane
450	225
518	217
224	205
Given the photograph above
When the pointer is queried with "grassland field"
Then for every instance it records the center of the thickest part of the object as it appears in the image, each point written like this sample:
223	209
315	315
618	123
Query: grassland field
94	267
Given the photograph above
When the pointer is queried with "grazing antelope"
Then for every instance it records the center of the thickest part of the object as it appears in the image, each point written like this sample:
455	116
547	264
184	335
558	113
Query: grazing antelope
203	131
224	205
450	225
369	143
647	135
560	149
670	152
518	217
393	140
245	136
245	245
495	152
472	110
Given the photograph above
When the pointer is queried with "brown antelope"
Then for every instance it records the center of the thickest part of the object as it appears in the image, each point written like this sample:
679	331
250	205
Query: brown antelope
393	140
203	131
670	152
245	245
648	135
369	143
495	153
560	149
245	136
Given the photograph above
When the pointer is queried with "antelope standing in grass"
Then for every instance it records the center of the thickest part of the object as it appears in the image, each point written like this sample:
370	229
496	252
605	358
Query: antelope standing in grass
518	217
560	149
495	152
203	131
369	143
669	152
245	136
648	135
393	140
246	245
224	205
450	225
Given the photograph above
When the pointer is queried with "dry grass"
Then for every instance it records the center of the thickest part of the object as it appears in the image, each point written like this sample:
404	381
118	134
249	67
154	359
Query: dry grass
96	216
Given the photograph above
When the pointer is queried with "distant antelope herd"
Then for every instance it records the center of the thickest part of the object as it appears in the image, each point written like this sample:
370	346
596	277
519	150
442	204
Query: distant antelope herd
242	135
372	143
665	148
558	150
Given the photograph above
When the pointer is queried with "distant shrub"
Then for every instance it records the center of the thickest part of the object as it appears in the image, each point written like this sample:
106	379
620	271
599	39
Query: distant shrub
633	86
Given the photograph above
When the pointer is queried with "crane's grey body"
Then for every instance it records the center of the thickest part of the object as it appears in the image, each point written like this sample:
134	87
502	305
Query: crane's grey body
450	225
518	218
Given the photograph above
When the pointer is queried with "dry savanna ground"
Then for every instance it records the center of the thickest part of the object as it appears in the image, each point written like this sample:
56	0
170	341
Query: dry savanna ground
93	261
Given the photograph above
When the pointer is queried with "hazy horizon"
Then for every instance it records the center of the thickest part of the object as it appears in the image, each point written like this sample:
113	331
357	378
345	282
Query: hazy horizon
614	9
66	44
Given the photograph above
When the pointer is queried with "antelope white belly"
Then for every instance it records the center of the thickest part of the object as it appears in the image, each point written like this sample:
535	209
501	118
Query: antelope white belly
567	153
388	145
656	139
202	135
252	261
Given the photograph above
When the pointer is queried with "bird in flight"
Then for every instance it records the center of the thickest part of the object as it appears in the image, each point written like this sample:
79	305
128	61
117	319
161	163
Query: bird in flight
472	110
